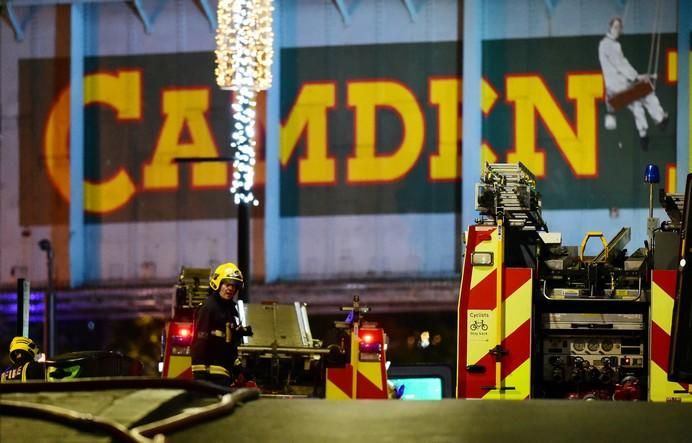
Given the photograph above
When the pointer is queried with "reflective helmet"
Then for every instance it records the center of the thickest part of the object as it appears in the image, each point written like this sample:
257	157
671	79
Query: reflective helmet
226	271
22	344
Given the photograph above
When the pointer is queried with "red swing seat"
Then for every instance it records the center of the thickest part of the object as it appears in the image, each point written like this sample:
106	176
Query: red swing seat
638	89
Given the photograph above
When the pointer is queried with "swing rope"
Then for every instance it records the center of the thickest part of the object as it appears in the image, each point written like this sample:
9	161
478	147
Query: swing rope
655	49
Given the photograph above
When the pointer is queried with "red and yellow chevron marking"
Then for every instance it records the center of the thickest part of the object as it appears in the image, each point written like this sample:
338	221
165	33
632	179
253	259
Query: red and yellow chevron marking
370	380
663	288
179	366
339	383
477	324
175	366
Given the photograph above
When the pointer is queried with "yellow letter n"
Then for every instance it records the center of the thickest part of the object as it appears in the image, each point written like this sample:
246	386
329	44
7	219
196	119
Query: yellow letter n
578	147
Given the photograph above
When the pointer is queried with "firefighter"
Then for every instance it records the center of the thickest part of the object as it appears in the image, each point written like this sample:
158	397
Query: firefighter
618	75
23	351
217	328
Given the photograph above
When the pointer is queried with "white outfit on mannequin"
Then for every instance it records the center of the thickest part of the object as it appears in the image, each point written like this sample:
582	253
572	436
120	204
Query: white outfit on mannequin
618	74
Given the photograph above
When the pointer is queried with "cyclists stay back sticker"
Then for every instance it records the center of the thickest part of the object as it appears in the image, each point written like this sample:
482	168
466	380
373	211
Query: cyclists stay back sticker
481	325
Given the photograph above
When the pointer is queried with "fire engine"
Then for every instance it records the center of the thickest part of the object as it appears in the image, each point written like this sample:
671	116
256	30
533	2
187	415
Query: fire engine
282	355
357	367
538	319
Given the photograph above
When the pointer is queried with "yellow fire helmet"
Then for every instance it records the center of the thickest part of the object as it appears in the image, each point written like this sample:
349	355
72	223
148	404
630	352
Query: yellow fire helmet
226	271
22	344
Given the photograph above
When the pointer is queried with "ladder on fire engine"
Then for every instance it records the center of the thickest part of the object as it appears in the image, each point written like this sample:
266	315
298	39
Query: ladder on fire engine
508	196
508	190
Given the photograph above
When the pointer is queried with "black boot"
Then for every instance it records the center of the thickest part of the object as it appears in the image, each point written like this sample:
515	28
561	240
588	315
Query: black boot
663	123
644	142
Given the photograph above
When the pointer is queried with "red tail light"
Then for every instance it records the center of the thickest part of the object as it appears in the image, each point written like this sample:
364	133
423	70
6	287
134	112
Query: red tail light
181	334
370	346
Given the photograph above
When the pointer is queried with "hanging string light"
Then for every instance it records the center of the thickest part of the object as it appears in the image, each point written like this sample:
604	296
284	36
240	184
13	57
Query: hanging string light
244	54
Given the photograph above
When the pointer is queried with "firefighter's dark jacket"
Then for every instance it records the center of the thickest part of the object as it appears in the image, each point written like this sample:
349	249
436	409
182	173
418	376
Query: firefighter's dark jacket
216	339
23	371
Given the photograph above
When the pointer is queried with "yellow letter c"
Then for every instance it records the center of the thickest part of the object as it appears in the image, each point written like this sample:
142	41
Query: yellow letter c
122	92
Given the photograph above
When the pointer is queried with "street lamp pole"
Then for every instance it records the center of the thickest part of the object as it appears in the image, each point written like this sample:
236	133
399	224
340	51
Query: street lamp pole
244	218
244	52
49	302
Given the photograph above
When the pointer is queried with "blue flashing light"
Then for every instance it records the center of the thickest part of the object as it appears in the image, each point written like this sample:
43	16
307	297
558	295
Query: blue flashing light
651	174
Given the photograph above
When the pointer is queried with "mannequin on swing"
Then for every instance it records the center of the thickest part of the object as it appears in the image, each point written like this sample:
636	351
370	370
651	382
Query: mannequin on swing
625	87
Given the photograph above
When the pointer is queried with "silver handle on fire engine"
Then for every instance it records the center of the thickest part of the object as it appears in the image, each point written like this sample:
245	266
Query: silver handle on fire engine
591	296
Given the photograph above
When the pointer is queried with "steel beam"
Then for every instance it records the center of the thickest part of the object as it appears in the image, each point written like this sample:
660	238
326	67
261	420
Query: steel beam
209	13
18	23
147	18
472	122
272	188
345	10
683	114
550	5
77	231
413	8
